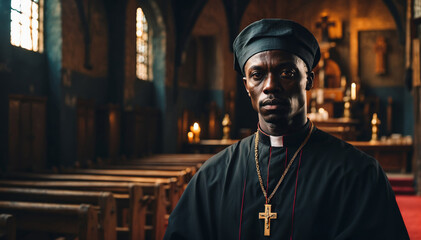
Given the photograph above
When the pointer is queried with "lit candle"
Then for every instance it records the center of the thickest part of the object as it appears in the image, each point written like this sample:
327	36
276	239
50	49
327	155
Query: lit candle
196	130
353	91
190	137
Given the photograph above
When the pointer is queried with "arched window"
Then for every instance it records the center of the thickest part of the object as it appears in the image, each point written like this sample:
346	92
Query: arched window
26	25
142	49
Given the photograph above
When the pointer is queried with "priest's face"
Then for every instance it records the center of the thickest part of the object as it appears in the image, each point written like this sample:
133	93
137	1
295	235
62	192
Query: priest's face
276	82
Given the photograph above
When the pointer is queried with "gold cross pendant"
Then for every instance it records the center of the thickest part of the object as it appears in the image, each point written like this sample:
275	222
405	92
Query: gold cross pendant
267	215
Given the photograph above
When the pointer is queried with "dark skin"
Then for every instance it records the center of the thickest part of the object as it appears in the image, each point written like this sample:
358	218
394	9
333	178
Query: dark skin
276	82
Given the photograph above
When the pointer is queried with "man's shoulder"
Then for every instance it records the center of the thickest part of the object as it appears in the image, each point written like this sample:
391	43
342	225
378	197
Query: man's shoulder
224	157
230	159
340	150
335	144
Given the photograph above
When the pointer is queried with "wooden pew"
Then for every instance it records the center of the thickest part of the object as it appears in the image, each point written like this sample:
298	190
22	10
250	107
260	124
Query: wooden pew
188	168
175	158
194	161
139	198
103	201
164	162
7	227
78	220
161	164
174	190
183	177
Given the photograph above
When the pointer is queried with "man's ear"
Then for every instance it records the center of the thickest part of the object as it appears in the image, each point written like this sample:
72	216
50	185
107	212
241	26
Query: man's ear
310	78
245	85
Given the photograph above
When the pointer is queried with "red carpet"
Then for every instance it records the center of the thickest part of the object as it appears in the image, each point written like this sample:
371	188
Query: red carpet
410	207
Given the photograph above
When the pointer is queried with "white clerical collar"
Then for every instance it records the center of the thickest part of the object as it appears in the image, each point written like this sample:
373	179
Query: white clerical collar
276	141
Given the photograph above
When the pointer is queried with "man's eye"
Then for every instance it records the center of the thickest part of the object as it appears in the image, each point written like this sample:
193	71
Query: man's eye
288	74
257	75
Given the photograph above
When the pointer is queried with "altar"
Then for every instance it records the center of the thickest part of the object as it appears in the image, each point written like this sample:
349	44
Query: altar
392	156
343	128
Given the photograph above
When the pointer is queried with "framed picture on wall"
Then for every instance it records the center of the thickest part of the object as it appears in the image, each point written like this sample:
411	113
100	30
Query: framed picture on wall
380	58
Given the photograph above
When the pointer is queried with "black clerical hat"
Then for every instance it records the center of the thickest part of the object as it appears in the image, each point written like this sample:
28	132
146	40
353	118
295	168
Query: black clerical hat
274	34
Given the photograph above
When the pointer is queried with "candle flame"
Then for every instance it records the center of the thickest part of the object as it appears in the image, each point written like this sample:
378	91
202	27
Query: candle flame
196	127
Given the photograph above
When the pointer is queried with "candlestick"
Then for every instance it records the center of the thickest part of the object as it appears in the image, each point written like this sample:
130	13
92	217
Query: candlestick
226	123
375	122
347	107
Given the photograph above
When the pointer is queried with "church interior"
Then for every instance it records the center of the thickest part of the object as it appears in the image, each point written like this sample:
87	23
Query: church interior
107	103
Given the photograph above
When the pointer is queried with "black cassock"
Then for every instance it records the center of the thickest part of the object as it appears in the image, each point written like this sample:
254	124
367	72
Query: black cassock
331	191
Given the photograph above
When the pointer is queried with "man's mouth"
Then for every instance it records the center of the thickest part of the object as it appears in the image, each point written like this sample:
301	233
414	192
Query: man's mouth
274	104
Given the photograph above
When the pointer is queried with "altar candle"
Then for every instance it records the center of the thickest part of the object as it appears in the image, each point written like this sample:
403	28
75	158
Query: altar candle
196	131
190	137
196	128
353	91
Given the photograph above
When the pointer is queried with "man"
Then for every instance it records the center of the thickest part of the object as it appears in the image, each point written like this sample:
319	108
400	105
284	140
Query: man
290	180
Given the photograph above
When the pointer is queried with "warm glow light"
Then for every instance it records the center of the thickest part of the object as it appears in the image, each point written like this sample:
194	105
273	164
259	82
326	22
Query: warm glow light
111	118
190	136
142	39
26	24
196	131
196	128
353	91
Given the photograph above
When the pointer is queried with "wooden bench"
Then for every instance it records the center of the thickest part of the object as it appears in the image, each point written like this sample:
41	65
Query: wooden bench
166	161
175	158
7	227
103	201
154	164
69	219
183	177
137	199
173	188
192	169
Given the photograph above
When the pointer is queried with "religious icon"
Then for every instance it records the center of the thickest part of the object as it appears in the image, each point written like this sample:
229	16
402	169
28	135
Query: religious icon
380	50
331	30
324	26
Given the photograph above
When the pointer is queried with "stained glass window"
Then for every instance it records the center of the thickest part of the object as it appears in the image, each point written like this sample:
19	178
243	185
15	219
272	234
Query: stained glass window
26	25
142	50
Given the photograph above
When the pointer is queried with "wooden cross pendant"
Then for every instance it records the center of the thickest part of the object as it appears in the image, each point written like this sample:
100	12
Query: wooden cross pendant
267	215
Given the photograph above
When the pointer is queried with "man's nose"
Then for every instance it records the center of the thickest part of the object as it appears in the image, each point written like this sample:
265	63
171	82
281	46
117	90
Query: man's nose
272	84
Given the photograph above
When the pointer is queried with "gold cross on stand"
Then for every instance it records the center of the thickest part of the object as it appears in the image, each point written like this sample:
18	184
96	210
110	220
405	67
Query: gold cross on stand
267	215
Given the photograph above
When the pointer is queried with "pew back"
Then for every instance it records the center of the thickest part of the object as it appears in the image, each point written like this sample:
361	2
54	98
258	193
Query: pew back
7	227
78	220
137	199
104	201
174	189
